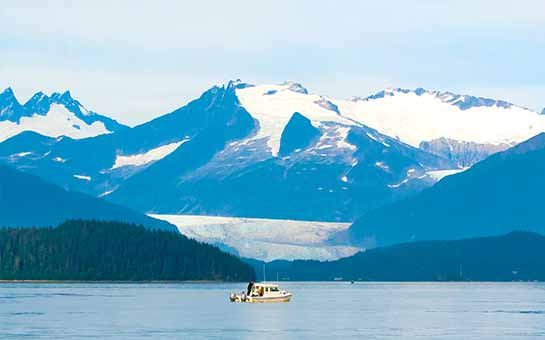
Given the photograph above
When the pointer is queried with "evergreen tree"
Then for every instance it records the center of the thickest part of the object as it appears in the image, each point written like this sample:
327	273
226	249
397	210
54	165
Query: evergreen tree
98	250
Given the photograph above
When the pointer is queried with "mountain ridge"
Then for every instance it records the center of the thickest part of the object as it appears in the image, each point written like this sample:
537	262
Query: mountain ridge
55	115
28	201
516	256
227	153
497	195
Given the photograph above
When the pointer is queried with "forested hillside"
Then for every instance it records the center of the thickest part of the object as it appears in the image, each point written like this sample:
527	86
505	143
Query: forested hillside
517	256
112	251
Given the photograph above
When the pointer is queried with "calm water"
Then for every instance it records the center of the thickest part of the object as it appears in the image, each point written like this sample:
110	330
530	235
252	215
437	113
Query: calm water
319	310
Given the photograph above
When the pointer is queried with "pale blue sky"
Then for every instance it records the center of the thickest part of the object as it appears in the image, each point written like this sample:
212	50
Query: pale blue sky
134	60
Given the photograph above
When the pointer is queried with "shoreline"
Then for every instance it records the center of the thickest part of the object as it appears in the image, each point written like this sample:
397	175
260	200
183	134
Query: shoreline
238	282
113	282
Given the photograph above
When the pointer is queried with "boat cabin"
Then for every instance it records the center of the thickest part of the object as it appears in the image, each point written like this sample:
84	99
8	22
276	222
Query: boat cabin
264	289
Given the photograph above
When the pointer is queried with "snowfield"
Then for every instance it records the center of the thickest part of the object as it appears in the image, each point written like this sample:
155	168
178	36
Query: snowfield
415	118
412	116
57	122
265	239
273	106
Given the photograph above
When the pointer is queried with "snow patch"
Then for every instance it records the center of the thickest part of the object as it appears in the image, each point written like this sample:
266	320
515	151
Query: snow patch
148	156
83	177
438	175
106	193
382	165
376	139
398	184
20	154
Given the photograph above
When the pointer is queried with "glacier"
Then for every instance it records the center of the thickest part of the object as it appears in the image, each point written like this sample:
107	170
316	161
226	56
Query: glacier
265	239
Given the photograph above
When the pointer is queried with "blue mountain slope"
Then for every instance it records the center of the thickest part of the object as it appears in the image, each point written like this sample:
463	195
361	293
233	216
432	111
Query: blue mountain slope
327	171
58	160
298	134
313	184
27	201
498	195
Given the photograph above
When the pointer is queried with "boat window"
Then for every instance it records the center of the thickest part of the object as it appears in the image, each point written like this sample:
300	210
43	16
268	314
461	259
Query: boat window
274	289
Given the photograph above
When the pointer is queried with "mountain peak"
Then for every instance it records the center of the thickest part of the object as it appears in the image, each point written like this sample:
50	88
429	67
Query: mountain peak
295	87
462	101
39	103
10	108
67	95
64	97
7	92
237	84
70	103
7	97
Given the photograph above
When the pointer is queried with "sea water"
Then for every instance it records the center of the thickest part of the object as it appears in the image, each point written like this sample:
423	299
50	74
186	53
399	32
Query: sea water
318	310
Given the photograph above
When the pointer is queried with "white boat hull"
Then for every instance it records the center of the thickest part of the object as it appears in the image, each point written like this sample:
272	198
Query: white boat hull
259	299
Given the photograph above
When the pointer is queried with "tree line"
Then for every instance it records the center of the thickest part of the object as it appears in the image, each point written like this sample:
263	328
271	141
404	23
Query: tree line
92	250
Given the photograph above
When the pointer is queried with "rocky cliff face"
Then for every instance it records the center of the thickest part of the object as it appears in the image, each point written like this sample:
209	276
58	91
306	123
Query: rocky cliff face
465	154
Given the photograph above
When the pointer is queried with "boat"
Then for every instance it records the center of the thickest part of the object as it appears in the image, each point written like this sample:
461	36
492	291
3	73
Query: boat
261	292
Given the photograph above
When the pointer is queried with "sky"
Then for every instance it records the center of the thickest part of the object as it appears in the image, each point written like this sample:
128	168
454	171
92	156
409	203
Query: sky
135	60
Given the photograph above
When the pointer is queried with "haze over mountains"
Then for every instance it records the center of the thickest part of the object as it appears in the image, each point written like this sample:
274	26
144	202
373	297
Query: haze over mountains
272	151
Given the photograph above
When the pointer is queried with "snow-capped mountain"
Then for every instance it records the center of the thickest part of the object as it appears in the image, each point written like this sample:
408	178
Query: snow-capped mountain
460	127
276	151
53	116
239	150
463	128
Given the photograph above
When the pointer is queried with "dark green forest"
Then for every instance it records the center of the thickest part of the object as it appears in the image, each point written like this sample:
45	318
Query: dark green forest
517	256
90	250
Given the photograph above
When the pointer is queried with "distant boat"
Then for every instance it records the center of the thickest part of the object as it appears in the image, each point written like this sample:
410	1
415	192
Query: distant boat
262	292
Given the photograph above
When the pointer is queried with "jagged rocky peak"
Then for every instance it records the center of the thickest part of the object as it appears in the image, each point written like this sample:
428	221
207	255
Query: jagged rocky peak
326	104
7	98
10	109
295	87
41	114
237	84
69	102
39	103
463	102
65	97
7	93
